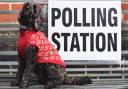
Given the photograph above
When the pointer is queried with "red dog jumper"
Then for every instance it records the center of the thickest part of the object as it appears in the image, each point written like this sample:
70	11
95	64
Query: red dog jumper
46	52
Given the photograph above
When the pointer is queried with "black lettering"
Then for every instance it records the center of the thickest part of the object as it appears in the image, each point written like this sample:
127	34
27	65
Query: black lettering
100	49
110	21
84	18
112	42
75	18
75	42
55	40
53	15
92	41
93	17
67	24
84	35
101	17
65	35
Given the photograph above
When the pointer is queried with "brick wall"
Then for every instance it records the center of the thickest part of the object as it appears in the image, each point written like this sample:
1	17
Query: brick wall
125	7
11	18
7	18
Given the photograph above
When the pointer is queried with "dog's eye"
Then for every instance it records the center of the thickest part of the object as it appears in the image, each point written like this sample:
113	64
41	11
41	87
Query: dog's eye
25	13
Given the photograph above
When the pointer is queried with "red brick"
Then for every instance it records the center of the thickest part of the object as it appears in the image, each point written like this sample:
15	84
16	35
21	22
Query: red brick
17	6
8	18
124	6
4	6
125	17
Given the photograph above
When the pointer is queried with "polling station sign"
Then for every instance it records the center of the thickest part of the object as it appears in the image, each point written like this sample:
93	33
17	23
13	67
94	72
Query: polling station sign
85	30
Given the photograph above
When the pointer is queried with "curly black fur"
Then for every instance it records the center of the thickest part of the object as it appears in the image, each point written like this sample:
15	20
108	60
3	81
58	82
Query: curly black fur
31	16
51	75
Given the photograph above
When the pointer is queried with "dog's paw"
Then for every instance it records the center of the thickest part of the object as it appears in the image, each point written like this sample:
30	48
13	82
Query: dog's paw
49	85
14	83
23	85
88	80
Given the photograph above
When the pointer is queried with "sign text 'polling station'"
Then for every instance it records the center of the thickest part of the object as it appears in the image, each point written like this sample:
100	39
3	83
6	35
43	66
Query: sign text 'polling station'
85	30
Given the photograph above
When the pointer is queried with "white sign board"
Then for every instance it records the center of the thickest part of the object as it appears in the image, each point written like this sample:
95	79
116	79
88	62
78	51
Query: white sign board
85	30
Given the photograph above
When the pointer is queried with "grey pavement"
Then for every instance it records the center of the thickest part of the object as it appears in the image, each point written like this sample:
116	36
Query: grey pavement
104	84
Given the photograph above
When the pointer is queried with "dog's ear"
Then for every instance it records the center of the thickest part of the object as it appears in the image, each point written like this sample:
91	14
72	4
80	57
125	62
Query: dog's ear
25	16
37	17
31	16
36	25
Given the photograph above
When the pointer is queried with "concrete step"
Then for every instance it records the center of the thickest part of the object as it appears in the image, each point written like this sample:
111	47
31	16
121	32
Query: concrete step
106	84
74	87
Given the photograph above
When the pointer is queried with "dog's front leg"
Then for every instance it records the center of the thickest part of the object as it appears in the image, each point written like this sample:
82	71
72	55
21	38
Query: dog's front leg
20	71
30	59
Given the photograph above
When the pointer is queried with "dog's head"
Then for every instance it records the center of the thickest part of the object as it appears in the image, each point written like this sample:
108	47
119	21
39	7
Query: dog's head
31	16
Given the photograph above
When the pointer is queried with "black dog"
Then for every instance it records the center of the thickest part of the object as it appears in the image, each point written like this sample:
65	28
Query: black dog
37	54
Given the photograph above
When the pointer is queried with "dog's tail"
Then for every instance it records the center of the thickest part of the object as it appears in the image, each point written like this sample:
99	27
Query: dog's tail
77	80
